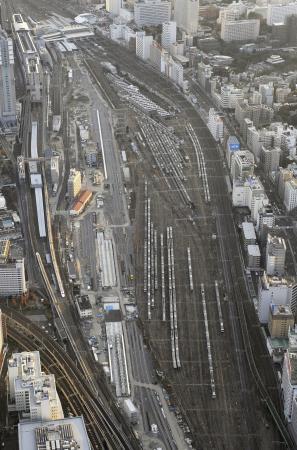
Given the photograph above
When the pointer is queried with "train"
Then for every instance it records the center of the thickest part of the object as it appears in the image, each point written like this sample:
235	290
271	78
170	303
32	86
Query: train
45	277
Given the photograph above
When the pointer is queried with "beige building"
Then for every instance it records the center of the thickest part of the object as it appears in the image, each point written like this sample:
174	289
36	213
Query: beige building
74	183
280	320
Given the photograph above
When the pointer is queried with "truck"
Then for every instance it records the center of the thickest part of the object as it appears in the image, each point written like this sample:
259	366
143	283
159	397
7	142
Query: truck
130	411
55	189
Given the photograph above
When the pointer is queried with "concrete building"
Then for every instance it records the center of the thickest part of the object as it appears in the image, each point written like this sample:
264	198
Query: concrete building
276	291
277	13
158	56
177	49
290	194
7	84
242	164
175	72
12	278
259	115
265	221
143	45
280	321
63	434
270	158
229	96
31	392
253	257
114	7
186	15
74	183
215	124
289	375
233	11
240	30
267	93
275	255
232	146
84	307
249	193
151	12
204	75
249	235
168	34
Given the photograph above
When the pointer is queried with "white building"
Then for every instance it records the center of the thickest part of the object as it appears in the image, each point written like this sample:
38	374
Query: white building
152	12
289	378
143	45
253	257
240	30
114	6
276	291
249	235
242	164
275	255
229	96
249	193
215	124
12	278
31	392
175	72
265	220
186	15
267	93
158	56
290	194
232	12
277	13
84	307
270	157
39	435
168	34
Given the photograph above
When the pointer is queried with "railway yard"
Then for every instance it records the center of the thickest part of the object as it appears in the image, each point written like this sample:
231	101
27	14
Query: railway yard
177	251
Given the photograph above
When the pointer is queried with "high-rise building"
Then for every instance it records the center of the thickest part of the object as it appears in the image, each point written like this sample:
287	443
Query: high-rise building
215	124
275	255
276	291
152	12
7	84
270	157
31	392
143	45
242	164
249	235
186	15
250	193
265	221
280	321
291	28
114	7
277	13
290	194
240	30
74	183
67	433
12	278
168	34
289	375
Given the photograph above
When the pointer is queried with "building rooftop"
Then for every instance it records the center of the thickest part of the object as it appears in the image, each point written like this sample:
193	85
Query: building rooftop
83	302
253	250
248	230
280	310
63	434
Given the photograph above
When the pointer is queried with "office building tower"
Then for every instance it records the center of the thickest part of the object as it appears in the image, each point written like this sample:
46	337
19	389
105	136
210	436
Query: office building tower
65	434
265	221
275	255
270	157
32	392
149	13
168	34
143	45
12	278
277	13
74	183
280	321
186	15
277	291
242	164
114	7
289	375
7	84
215	124
240	30
290	194
249	235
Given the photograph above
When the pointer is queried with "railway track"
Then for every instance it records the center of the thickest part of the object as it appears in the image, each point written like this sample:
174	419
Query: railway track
103	432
